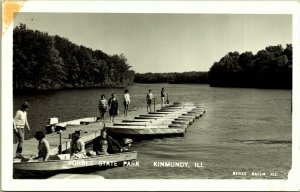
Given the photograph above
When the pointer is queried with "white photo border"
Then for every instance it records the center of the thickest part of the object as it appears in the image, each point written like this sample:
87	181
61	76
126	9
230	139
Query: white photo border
203	7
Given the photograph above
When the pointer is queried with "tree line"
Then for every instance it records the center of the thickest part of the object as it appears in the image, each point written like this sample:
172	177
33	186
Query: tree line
42	61
185	77
268	68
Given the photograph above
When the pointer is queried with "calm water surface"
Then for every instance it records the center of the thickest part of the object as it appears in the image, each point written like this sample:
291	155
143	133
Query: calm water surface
243	130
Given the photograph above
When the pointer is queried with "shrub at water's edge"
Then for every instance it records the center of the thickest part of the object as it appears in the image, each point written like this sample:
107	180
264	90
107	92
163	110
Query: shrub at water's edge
269	68
42	62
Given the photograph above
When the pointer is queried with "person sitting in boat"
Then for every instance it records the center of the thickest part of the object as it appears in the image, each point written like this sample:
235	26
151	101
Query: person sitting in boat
77	147
103	144
43	147
126	143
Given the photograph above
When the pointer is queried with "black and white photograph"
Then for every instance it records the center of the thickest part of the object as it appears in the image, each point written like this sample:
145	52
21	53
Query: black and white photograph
155	93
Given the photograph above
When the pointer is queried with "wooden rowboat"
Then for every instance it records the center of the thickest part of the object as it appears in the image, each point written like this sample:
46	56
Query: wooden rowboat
103	161
144	133
147	124
159	118
137	127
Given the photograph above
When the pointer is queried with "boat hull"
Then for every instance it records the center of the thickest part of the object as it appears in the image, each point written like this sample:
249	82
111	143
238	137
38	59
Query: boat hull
62	165
148	133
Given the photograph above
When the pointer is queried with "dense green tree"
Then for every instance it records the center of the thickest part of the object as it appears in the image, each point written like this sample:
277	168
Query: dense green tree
269	68
41	61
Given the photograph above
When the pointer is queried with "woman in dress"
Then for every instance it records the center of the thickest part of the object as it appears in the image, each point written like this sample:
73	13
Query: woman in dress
113	107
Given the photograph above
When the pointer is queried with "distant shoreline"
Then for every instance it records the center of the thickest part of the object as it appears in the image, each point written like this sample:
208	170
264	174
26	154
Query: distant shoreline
28	91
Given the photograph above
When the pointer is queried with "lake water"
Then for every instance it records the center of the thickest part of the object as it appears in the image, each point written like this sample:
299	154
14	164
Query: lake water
243	130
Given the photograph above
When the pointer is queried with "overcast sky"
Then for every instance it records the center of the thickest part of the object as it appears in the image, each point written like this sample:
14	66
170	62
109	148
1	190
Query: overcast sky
166	42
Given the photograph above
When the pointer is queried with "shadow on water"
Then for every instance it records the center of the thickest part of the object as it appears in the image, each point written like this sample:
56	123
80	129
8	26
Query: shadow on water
266	141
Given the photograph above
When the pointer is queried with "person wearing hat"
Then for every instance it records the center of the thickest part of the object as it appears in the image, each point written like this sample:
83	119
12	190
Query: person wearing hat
126	142
43	147
19	123
77	146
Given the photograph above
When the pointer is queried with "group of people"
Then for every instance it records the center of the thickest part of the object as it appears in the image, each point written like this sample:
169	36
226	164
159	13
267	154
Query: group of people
102	144
150	97
113	105
77	145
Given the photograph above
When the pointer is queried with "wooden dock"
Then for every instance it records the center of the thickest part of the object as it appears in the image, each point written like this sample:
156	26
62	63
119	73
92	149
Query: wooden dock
89	129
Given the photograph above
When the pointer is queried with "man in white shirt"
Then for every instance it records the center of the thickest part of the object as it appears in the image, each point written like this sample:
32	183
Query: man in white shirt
126	102
19	123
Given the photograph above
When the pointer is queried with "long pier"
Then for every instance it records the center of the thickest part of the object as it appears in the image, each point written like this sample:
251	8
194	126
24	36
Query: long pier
90	128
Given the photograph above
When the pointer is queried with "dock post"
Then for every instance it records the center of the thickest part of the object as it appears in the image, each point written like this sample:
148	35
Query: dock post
60	146
66	146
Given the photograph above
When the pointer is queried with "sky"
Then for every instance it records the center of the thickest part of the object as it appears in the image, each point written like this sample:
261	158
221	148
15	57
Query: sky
166	42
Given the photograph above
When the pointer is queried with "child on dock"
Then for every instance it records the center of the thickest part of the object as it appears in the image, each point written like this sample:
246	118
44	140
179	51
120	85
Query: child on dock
126	102
113	107
162	96
149	99
19	123
102	106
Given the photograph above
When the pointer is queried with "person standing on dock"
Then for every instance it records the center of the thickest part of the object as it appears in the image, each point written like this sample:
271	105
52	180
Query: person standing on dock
19	123
162	96
126	102
43	147
102	105
113	107
77	147
149	99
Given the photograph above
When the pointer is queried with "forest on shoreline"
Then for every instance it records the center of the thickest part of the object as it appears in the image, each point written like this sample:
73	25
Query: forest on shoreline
271	67
45	62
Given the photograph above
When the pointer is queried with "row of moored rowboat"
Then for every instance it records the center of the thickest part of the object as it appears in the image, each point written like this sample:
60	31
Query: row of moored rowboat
171	120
